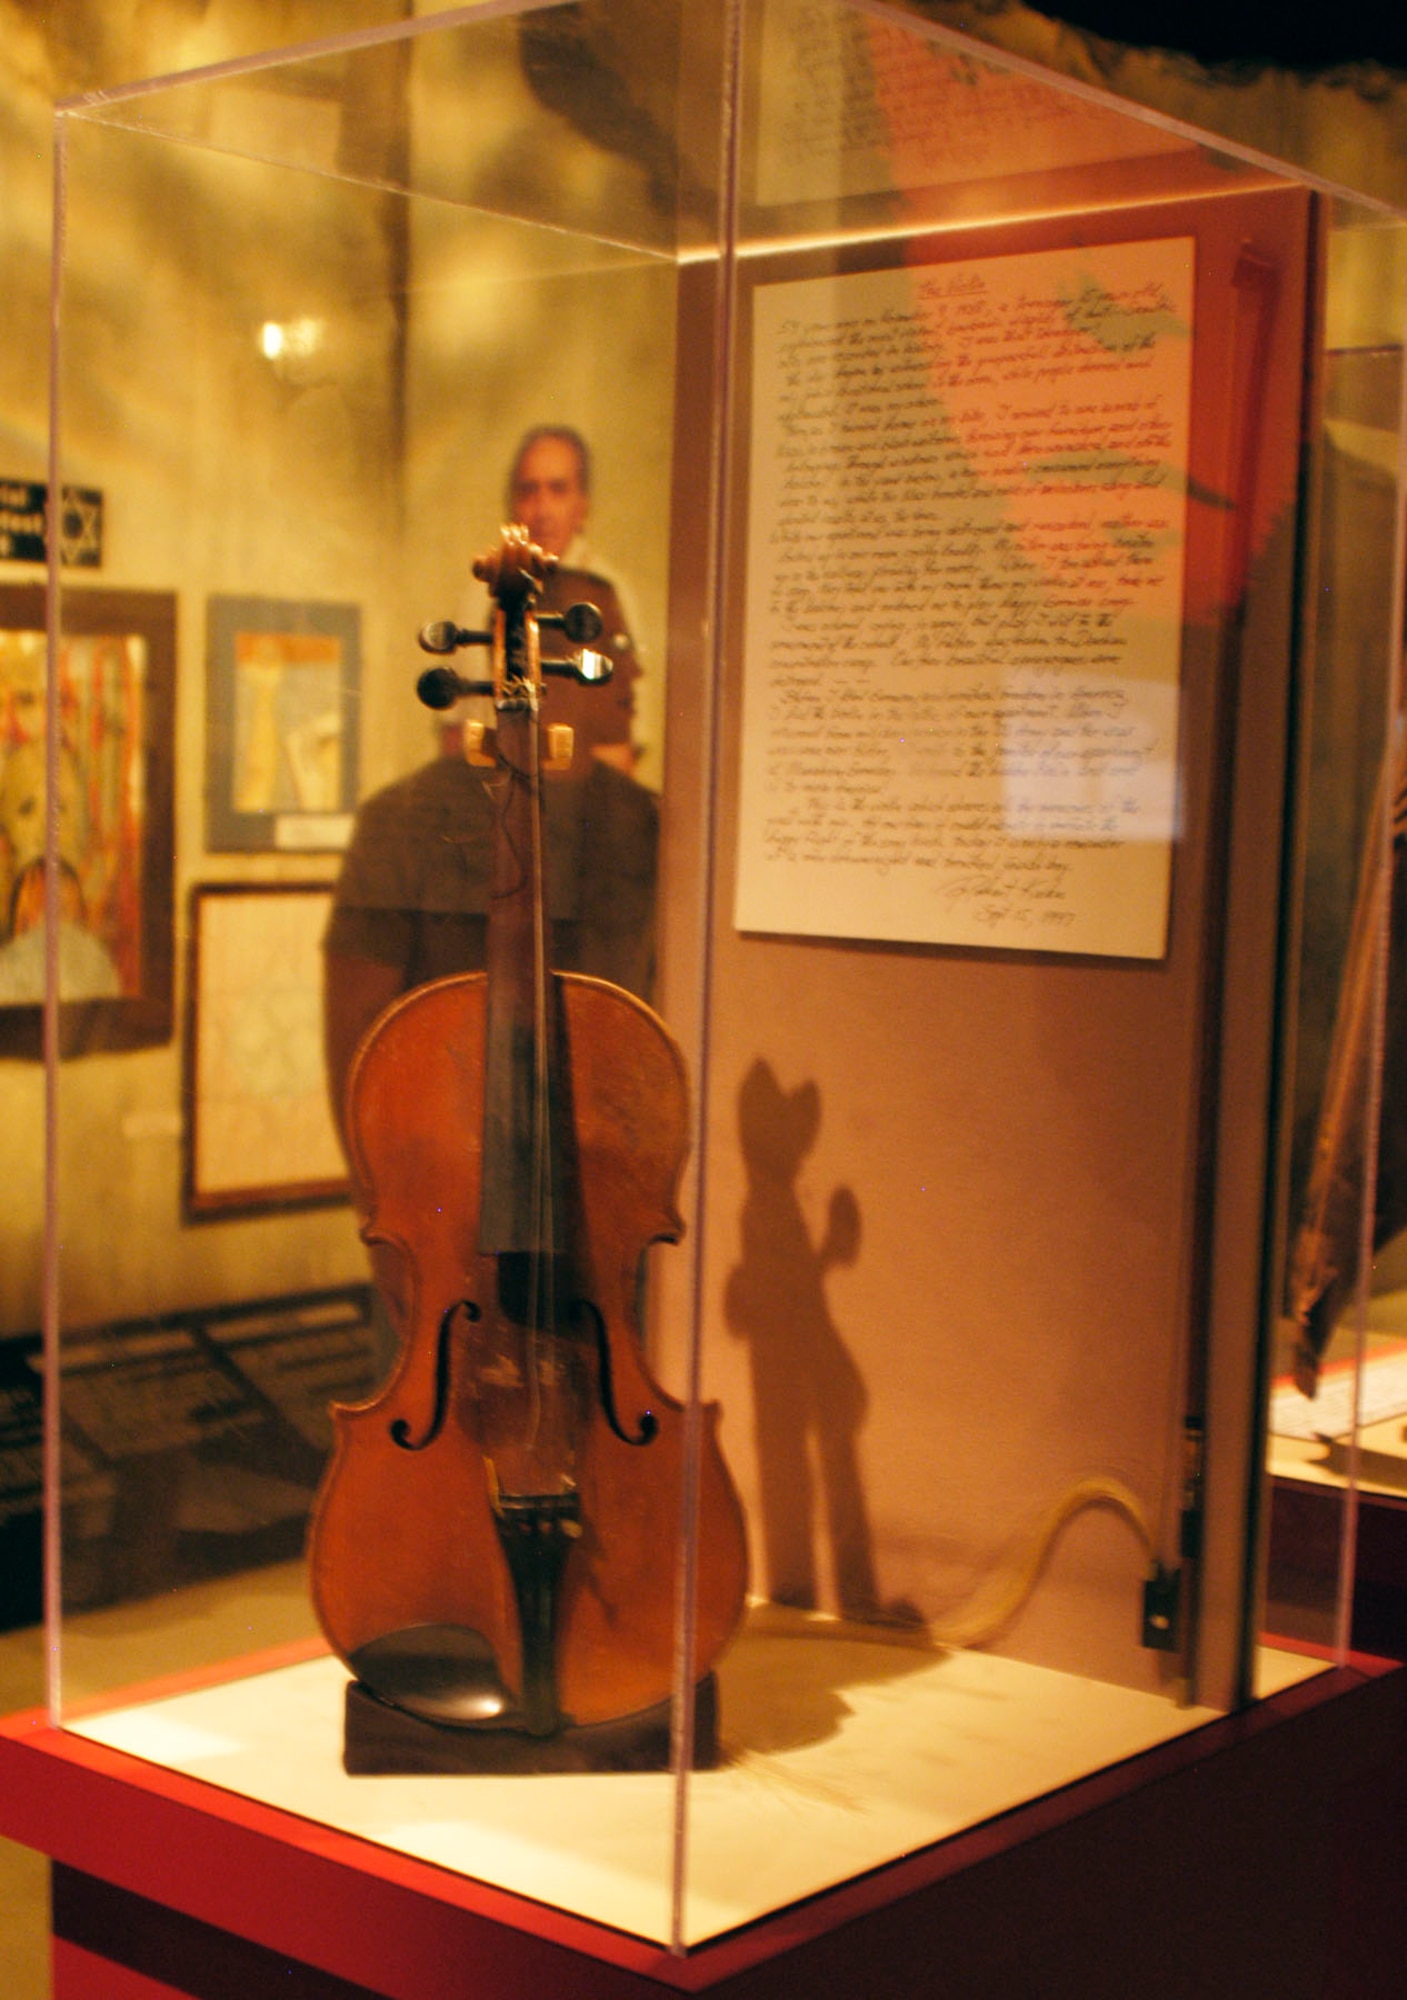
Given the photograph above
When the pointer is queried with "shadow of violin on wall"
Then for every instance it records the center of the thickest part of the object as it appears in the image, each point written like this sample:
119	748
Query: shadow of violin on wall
809	1398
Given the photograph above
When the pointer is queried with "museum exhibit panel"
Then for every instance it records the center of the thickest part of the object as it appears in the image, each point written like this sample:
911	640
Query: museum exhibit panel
876	1124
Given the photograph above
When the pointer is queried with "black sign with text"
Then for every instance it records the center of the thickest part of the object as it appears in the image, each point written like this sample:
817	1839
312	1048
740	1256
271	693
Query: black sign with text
23	506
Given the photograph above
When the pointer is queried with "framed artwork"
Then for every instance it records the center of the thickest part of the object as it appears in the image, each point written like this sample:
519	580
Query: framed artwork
281	709
259	1128
116	676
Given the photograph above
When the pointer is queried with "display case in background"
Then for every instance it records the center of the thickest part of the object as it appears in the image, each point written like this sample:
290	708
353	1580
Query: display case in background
1002	484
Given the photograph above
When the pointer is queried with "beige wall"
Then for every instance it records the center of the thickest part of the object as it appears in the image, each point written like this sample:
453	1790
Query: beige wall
224	474
518	323
161	402
368	474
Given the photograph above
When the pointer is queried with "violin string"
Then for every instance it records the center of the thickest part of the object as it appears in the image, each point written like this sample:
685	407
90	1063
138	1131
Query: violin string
500	789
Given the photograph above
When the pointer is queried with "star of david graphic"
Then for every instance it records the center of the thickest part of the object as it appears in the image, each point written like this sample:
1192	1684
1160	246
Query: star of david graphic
81	527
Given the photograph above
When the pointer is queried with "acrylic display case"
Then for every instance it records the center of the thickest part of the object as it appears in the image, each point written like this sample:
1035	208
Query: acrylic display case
1000	486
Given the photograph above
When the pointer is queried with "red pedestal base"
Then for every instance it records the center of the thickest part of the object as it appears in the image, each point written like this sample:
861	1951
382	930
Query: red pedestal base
1263	1854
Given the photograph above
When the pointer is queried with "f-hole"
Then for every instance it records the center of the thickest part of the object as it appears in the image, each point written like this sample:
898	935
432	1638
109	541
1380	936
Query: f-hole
401	1433
649	1422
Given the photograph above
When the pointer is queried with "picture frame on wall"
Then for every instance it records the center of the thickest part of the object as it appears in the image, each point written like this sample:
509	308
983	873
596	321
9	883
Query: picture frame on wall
117	675
282	682
258	1122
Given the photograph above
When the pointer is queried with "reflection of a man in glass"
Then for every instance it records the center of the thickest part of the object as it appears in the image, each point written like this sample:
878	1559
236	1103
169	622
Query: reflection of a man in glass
549	494
549	488
410	902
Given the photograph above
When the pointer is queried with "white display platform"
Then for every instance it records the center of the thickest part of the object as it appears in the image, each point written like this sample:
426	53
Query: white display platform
1310	1440
841	1754
1380	1466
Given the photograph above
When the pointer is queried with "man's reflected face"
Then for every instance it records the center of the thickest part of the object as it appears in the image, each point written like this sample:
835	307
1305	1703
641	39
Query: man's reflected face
548	497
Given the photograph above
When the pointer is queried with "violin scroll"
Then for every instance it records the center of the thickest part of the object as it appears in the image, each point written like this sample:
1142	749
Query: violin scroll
514	569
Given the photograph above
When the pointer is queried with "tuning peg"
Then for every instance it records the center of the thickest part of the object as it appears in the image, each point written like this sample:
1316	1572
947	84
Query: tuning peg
444	636
442	687
587	667
580	622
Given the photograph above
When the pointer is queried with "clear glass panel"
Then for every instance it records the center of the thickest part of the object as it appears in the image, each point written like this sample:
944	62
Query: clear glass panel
368	275
986	829
1009	711
1341	1296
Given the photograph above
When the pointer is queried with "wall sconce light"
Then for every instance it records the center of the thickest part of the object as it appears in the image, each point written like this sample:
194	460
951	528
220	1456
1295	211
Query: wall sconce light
290	344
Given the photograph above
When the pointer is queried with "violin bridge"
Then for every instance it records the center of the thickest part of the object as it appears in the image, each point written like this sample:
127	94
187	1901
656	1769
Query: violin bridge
479	747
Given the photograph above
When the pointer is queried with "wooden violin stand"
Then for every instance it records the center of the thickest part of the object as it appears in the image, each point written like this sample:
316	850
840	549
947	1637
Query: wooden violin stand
382	1741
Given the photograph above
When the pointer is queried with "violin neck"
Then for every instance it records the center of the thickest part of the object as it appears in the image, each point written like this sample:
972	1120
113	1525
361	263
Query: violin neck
523	1206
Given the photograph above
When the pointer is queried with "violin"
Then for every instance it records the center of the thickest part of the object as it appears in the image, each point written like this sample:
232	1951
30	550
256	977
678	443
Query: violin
496	1541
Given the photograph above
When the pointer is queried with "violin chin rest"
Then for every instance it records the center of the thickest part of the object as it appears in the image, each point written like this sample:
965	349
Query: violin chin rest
445	1673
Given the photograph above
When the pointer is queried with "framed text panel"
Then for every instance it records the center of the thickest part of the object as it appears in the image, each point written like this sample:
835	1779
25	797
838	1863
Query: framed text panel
260	1133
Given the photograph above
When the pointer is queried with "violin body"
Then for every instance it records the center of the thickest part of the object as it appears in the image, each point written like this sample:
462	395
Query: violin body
406	1538
498	1540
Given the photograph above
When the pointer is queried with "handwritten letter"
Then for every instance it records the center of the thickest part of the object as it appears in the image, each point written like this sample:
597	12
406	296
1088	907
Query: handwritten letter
964	601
